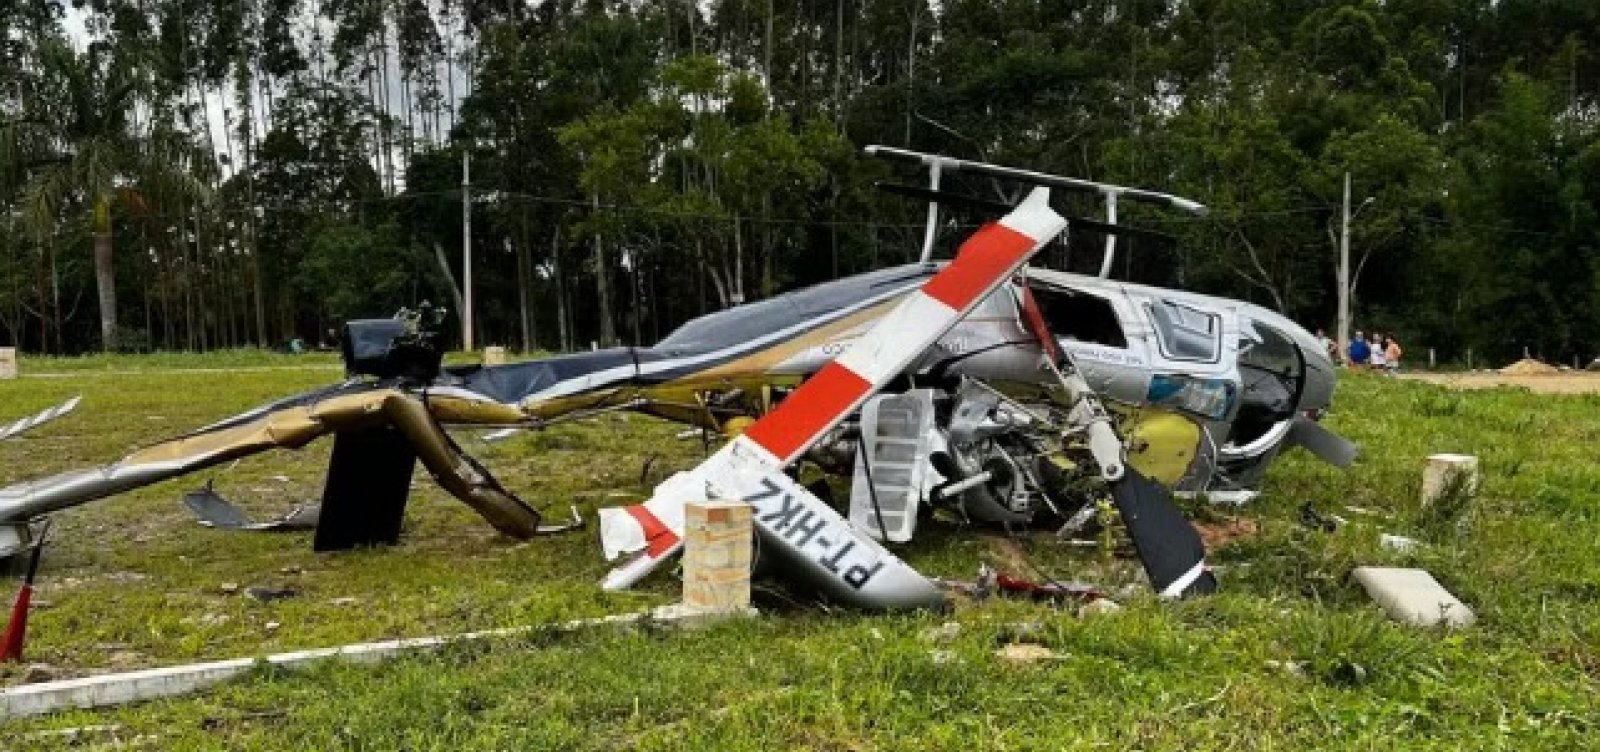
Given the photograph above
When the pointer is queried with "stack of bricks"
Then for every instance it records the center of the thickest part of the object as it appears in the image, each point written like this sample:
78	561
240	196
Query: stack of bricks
716	556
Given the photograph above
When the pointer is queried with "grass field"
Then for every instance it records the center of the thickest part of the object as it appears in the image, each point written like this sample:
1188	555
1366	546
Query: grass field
133	582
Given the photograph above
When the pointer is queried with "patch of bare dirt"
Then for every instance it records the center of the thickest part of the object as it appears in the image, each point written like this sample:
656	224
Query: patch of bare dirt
1008	554
1559	382
1221	533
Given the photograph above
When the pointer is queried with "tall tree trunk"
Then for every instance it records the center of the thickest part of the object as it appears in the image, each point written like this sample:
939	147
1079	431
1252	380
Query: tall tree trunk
105	273
563	320
608	328
520	250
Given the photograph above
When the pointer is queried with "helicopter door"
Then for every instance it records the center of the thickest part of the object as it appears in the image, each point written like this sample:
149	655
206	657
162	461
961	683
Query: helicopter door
1194	356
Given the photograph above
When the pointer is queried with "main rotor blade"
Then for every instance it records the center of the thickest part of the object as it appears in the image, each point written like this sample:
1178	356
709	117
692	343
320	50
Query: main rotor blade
998	208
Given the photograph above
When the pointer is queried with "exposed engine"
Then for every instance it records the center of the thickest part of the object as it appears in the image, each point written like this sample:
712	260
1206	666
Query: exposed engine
974	451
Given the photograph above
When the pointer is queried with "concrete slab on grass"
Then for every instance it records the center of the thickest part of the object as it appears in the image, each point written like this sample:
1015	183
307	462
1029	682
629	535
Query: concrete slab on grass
1414	597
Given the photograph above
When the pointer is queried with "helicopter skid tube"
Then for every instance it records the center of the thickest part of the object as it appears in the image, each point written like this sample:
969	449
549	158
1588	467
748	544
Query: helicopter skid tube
287	427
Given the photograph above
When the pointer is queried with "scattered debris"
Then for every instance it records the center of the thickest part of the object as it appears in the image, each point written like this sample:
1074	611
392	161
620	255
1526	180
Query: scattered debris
1328	523
1025	653
944	657
207	620
1413	596
272	626
1099	606
1022	631
214	723
215	511
1398	543
345	601
1296	669
942	634
228	588
269	594
39	672
1052	591
1365	511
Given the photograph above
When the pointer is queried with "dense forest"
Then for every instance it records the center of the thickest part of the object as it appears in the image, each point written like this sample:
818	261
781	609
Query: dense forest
196	174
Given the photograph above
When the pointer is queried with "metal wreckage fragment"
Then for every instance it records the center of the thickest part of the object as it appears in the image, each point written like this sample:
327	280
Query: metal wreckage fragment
1006	395
40	418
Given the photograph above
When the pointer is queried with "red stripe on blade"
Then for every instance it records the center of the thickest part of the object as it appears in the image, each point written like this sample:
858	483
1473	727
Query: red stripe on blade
656	534
981	262
797	420
1034	318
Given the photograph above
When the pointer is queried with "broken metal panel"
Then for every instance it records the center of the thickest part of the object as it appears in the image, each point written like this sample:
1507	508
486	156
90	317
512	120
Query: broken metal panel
891	470
215	511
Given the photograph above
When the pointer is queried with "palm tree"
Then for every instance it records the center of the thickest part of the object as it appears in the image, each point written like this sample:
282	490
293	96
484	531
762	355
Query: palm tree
99	159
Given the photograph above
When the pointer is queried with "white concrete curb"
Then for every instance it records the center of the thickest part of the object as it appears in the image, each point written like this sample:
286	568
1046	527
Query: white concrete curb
134	686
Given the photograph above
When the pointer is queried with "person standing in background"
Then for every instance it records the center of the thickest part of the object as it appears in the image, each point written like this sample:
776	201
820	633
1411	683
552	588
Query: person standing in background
1328	346
1391	354
1375	355
1359	350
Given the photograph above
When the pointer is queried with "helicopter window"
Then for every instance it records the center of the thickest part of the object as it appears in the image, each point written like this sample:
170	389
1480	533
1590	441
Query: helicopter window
1265	348
1187	333
1272	373
1080	316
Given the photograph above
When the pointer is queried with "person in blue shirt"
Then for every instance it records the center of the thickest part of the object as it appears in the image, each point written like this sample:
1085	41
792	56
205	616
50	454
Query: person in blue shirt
1360	351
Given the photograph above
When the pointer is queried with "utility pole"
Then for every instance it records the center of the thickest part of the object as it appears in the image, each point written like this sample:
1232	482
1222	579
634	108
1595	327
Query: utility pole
1344	271
466	247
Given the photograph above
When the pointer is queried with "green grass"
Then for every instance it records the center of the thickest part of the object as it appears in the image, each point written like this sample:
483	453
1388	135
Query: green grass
132	581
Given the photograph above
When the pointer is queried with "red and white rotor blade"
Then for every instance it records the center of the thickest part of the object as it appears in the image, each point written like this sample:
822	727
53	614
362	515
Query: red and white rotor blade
654	529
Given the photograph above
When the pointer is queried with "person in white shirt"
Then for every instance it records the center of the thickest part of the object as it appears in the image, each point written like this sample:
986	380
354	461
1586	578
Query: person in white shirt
1377	359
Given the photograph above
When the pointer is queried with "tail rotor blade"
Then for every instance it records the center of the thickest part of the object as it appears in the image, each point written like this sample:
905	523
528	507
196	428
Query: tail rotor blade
1172	553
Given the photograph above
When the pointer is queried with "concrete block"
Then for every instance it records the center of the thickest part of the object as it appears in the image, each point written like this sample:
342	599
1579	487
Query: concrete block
1444	472
8	362
1414	597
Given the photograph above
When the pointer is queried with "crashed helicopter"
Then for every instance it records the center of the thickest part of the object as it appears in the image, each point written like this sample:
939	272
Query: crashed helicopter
1004	393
